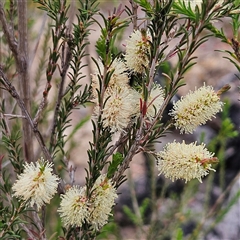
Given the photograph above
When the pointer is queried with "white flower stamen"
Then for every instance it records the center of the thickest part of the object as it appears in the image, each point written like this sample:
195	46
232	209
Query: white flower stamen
37	184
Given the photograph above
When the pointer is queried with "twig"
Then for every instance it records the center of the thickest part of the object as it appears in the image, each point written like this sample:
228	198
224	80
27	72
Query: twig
65	65
41	105
135	15
139	223
120	142
20	53
214	208
13	115
22	67
222	196
52	63
11	89
132	151
27	230
7	33
33	55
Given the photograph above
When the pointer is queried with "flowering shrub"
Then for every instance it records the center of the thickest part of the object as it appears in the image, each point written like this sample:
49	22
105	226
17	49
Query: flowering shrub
129	91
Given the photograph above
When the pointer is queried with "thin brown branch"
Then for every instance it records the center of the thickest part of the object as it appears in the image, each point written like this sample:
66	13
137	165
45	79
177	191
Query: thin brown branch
222	197
12	90
7	32
40	33
135	15
22	67
52	64
41	107
13	115
28	231
119	144
125	165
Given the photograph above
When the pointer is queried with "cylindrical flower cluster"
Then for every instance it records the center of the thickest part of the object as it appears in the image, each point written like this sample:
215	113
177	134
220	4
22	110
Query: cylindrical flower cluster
121	104
185	161
76	209
194	3
118	78
37	184
195	109
104	196
137	51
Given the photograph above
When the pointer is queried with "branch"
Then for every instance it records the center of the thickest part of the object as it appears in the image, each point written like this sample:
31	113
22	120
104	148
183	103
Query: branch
135	15
125	165
22	67
20	52
7	33
11	89
13	116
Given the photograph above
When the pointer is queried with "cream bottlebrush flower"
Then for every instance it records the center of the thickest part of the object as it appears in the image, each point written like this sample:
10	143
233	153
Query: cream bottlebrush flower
74	207
194	3
196	108
155	100
137	50
185	161
119	76
103	199
122	103
37	184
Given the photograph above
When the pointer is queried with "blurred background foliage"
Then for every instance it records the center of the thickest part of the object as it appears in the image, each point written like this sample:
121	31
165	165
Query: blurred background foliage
149	206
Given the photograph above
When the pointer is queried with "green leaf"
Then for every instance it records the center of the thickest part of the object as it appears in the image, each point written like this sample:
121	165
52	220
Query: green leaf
179	235
145	5
144	206
130	214
116	160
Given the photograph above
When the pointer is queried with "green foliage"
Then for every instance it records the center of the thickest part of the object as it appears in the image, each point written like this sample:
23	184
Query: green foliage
117	159
219	143
10	139
108	231
172	30
179	235
133	216
10	210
